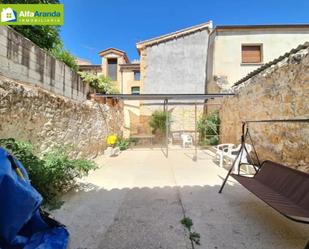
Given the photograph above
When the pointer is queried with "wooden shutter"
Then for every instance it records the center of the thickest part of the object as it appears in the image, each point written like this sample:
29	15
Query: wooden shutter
251	53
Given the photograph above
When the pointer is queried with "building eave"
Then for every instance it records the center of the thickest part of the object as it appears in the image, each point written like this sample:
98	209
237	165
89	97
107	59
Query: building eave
115	51
90	66
261	27
129	67
174	35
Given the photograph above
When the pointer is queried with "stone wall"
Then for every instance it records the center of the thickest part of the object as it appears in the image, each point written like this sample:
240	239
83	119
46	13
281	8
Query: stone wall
21	59
183	117
32	114
280	91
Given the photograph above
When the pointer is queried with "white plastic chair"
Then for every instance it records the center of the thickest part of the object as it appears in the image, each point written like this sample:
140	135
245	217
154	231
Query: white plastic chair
243	159
222	149
186	140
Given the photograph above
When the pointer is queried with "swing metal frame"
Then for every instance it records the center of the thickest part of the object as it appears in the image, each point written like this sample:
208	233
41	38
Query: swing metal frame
244	135
258	167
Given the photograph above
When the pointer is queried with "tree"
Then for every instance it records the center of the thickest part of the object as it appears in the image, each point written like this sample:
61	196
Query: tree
46	37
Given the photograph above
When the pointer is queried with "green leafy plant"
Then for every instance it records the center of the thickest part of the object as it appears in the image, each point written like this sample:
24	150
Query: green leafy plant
60	173
187	222
208	127
45	36
123	143
193	236
158	121
65	56
53	173
100	83
24	152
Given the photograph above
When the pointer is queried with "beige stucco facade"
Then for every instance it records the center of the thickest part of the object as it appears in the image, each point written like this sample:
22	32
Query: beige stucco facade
127	78
225	65
121	57
132	110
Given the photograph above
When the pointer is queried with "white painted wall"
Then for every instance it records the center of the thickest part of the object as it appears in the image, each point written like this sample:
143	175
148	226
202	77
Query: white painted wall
226	50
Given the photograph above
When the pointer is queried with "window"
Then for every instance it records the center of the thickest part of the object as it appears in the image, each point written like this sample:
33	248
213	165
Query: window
137	75
112	68
135	90
251	53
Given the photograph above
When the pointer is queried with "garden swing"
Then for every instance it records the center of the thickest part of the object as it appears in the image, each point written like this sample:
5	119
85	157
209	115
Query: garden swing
283	188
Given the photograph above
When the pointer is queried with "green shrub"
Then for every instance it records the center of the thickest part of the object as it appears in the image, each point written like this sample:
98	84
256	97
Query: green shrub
100	83
65	56
23	152
123	143
208	127
214	140
60	173
158	121
45	36
53	173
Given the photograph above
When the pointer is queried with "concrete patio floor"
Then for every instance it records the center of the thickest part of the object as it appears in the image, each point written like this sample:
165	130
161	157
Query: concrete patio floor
136	201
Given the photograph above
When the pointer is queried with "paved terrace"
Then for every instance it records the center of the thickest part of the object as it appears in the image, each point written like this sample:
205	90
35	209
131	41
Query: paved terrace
136	201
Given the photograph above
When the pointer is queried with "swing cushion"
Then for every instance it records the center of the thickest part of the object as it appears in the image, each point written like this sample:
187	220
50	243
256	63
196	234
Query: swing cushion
283	188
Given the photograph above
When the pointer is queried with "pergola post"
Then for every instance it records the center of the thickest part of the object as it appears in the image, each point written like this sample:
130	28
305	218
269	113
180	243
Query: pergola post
172	97
195	133
166	126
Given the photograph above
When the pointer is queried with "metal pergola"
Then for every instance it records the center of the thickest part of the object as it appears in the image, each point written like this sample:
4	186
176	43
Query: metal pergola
165	96
191	99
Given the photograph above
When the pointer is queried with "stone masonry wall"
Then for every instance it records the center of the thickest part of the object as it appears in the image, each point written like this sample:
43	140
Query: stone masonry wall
21	59
278	92
32	114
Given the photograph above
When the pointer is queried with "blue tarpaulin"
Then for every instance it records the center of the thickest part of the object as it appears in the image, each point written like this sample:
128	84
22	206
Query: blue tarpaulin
22	224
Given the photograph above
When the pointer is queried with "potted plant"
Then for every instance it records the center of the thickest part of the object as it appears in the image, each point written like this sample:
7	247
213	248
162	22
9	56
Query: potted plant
158	124
112	150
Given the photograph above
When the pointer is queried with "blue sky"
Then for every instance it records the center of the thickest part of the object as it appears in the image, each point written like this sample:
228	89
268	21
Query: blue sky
93	25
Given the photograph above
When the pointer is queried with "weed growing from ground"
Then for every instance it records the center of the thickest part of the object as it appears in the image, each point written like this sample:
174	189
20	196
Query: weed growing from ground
194	236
